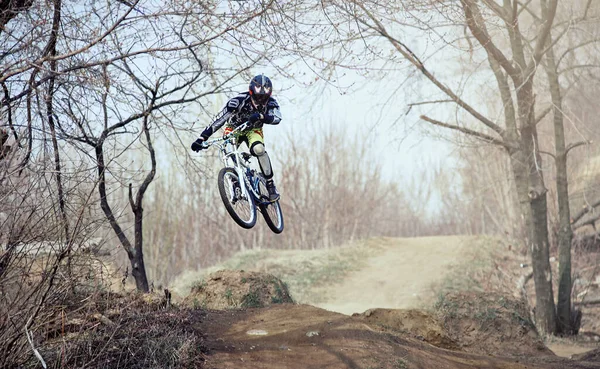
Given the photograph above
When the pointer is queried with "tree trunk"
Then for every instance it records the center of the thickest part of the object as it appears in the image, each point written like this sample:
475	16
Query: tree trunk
565	233
527	165
565	237
545	313
138	269
533	212
51	50
136	258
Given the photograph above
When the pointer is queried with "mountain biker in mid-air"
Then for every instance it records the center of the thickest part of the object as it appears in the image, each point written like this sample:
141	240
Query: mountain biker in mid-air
256	107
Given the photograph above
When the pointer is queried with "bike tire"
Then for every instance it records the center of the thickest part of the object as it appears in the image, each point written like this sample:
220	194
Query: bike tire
227	191
273	216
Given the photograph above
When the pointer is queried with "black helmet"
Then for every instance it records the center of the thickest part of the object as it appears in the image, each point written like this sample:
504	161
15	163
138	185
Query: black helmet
260	89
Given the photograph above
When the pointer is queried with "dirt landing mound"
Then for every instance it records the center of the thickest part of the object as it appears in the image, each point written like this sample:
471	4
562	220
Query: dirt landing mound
591	356
302	336
229	289
416	323
490	324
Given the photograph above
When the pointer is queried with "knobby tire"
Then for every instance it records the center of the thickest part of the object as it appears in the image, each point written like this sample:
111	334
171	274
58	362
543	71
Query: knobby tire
224	190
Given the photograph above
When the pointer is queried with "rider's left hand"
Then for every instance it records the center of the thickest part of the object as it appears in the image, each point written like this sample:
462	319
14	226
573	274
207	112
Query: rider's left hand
255	119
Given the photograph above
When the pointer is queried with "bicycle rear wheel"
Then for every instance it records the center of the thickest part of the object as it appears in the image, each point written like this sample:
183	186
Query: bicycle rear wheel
241	209
273	216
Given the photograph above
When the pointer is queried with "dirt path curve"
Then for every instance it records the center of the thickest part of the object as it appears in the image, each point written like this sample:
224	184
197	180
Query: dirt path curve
400	276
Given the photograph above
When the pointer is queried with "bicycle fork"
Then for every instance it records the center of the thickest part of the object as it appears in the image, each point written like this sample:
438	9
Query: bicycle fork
243	181
239	170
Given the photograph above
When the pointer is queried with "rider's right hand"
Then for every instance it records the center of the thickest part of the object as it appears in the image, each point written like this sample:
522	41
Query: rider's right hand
198	145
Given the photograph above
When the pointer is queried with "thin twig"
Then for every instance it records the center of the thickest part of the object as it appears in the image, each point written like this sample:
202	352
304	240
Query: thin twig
30	339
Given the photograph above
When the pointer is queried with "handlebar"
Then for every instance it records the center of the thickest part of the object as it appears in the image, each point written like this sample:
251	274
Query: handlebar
241	127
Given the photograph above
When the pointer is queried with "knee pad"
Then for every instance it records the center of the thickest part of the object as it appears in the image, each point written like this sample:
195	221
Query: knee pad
257	149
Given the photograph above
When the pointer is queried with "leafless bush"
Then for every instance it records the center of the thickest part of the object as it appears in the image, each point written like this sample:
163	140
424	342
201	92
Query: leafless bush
113	331
39	268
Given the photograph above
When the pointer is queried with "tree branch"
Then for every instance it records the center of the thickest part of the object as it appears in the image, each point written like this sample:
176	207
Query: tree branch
477	27
410	106
497	9
413	59
586	209
568	26
571	146
131	202
470	132
150	176
9	9
579	66
45	57
548	20
590	221
104	205
9	116
516	37
547	153
542	115
507	99
573	48
35	64
51	123
587	302
525	6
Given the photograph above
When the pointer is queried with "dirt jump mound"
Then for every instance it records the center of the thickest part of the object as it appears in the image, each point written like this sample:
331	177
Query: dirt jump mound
490	324
591	356
416	323
227	289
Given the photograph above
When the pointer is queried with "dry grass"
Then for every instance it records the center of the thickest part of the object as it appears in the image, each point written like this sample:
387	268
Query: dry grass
301	270
491	265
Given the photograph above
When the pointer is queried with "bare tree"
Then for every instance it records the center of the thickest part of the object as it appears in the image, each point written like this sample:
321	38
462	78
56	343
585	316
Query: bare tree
501	35
111	78
38	269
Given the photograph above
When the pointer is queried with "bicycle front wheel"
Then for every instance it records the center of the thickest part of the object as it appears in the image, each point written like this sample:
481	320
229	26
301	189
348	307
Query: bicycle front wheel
241	208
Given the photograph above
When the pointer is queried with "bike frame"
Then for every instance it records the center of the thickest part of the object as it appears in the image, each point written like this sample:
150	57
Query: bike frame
229	151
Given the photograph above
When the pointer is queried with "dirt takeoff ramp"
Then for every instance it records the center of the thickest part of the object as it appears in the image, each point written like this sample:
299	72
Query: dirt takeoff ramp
301	336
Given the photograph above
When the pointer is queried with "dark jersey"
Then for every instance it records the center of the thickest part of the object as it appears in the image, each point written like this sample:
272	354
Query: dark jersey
238	110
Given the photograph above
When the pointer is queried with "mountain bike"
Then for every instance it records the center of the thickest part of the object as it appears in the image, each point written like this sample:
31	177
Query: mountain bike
243	189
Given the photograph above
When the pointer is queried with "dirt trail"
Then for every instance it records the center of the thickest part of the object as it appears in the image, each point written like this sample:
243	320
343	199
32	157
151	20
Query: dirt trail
302	336
398	274
400	277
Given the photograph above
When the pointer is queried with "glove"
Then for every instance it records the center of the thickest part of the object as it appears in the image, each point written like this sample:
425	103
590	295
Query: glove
255	119
197	145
